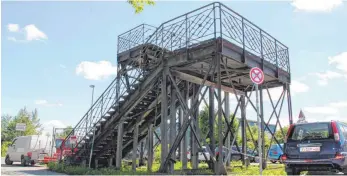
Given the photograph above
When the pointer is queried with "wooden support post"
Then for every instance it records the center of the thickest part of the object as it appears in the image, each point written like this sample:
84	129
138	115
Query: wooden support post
119	146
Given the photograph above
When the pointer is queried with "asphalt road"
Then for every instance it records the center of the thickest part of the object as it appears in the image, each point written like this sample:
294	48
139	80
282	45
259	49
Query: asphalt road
17	169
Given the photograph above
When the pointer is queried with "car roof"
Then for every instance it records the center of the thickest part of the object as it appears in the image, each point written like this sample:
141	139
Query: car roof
312	123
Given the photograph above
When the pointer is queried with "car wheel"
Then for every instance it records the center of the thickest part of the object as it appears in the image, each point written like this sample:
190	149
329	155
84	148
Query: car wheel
23	162
8	161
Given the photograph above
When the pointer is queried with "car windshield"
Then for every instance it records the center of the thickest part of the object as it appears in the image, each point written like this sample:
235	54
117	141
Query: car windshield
311	131
58	143
274	146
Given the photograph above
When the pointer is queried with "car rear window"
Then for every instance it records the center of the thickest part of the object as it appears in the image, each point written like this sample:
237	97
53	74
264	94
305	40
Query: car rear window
311	131
274	146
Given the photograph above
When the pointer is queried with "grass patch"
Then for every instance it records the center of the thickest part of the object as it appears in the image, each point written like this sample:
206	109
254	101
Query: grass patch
126	169
237	169
81	170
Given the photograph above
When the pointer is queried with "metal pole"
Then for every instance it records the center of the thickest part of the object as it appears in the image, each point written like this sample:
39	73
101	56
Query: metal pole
244	131
164	117
135	142
91	149
91	117
53	141
150	147
259	133
227	114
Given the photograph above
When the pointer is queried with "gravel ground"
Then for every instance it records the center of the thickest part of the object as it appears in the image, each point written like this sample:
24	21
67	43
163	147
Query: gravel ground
17	169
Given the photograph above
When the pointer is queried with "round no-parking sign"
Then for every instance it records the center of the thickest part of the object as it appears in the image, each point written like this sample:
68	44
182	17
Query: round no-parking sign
257	75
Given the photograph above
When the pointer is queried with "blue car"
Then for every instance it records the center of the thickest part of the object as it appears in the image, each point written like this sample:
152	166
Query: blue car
320	146
275	153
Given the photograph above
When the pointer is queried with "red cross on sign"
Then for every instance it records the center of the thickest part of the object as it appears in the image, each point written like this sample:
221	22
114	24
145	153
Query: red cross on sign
257	75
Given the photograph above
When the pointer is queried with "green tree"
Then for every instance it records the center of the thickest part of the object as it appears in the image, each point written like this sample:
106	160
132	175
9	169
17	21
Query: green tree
65	132
5	120
204	125
8	126
138	5
278	134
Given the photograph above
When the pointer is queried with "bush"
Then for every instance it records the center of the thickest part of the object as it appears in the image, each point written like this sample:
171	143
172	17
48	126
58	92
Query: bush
4	147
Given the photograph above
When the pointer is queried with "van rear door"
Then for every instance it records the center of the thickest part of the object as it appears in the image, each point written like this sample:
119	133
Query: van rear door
311	141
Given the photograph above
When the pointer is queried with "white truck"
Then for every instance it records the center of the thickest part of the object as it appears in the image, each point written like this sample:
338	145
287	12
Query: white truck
28	149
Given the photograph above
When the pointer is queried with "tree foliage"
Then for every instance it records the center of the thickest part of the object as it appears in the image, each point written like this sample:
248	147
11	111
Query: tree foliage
8	126
204	125
251	131
139	5
65	132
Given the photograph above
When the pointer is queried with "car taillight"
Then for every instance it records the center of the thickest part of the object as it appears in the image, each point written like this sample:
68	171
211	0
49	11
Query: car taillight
29	154
288	133
284	157
339	156
335	131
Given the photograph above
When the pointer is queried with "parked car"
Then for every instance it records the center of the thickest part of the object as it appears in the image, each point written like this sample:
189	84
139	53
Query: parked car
275	153
252	155
201	153
320	146
236	155
225	152
28	149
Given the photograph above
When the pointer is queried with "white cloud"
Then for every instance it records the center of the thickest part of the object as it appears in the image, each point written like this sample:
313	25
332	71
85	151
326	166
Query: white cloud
340	61
29	33
275	94
13	27
321	110
341	104
322	82
331	111
325	118
45	103
96	70
33	33
316	5
48	126
325	76
298	87
295	88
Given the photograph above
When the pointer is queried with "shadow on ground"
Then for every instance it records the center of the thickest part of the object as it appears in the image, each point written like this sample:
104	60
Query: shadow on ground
18	165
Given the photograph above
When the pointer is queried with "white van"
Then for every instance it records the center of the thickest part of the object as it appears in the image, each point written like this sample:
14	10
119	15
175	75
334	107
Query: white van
28	149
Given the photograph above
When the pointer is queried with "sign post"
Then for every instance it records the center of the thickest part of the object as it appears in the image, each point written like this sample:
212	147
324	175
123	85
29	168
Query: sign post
21	127
257	77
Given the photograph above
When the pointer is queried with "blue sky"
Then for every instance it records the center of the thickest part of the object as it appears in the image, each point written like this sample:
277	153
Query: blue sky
44	43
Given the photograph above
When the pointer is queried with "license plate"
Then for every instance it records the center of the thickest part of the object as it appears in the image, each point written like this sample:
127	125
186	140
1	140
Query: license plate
309	149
